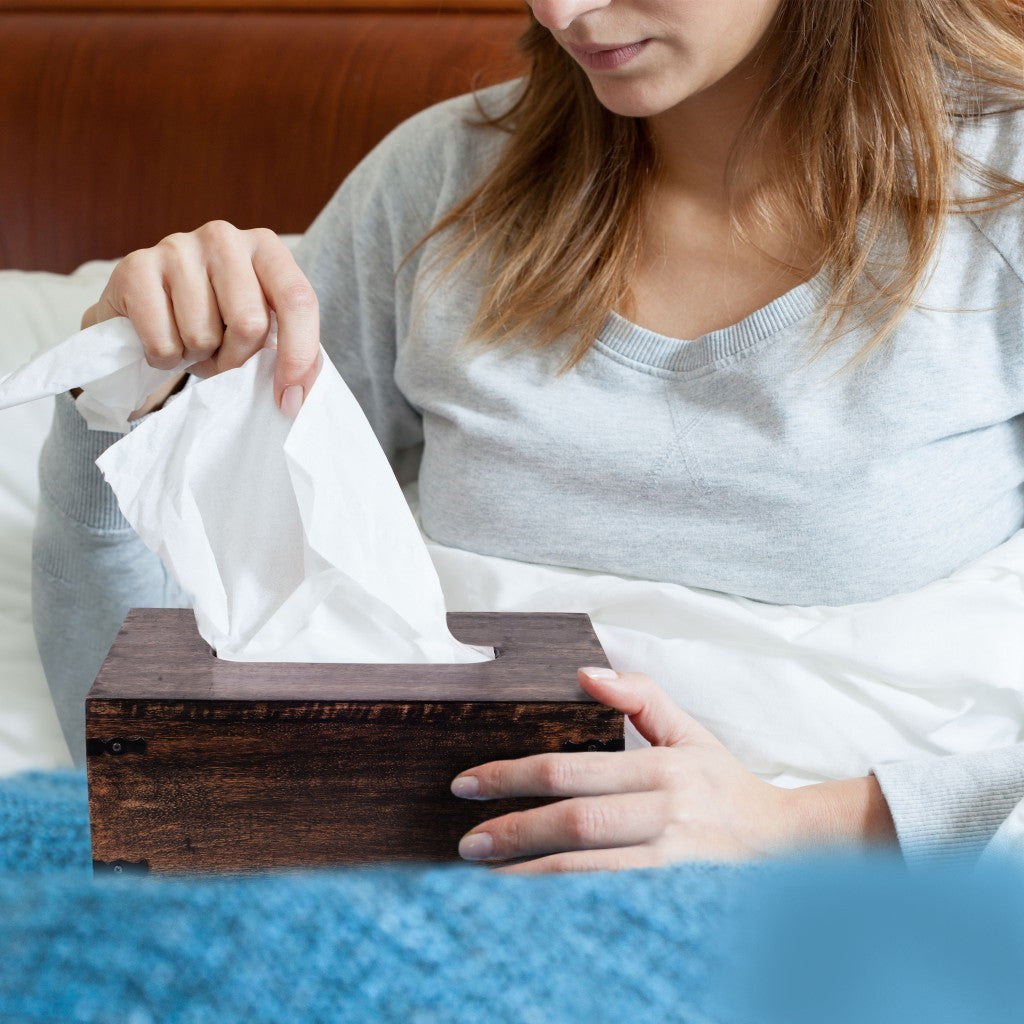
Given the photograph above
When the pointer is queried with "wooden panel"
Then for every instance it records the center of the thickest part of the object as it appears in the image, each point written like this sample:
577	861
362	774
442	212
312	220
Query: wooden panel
124	122
247	796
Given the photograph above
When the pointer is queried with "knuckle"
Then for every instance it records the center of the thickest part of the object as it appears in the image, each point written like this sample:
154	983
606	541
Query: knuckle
671	777
175	257
493	780
217	229
162	357
161	348
586	823
129	267
299	297
176	252
669	772
179	257
556	773
200	341
291	364
512	836
176	240
132	259
678	812
264	236
251	325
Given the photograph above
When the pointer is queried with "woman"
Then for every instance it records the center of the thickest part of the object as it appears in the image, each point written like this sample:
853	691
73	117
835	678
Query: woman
750	174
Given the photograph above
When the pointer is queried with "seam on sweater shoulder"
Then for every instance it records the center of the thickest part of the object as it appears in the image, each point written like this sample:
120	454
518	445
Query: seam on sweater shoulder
995	245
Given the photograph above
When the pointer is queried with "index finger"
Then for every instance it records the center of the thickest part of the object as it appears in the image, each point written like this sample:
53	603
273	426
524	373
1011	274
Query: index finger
292	298
579	773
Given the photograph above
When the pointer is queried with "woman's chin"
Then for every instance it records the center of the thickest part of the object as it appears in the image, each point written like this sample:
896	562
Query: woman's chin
631	99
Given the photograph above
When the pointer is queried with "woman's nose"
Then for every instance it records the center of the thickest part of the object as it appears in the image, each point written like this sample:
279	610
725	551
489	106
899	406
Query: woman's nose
558	15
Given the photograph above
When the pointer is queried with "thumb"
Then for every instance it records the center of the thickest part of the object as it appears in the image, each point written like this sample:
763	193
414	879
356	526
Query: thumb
657	717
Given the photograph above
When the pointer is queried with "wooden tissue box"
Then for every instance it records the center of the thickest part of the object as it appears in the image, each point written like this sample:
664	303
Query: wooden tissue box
196	764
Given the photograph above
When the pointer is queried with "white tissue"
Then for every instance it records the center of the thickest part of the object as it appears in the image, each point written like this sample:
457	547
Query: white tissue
292	538
108	357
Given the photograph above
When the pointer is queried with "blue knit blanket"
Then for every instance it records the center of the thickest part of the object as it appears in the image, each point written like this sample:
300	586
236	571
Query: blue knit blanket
834	940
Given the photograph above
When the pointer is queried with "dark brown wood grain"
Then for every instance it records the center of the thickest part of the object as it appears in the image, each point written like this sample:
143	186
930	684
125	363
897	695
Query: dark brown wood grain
248	767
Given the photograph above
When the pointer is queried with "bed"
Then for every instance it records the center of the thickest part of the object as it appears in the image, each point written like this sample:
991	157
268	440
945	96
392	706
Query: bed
125	120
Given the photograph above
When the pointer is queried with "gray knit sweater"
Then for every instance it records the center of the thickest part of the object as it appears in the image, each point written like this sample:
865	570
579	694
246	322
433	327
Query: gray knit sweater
722	462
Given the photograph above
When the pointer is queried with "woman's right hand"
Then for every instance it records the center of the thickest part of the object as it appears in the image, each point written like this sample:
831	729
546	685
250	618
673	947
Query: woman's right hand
207	295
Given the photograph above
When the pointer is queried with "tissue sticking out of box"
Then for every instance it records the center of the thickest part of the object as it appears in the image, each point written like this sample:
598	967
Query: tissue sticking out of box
292	538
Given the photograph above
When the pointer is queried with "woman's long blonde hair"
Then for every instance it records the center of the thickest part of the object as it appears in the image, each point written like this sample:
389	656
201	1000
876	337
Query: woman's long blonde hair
863	97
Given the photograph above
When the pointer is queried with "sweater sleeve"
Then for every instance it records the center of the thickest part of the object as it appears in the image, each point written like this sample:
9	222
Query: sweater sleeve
89	566
946	809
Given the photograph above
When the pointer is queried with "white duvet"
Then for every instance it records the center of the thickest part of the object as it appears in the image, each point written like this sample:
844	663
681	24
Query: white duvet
800	695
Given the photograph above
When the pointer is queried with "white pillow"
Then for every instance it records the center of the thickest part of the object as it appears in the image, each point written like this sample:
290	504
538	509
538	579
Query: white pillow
39	311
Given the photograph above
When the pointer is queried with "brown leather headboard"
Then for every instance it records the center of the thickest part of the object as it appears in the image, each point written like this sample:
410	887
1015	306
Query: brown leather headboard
123	121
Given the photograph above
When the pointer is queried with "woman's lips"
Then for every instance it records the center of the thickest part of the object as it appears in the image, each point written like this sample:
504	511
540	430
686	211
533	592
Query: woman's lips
608	59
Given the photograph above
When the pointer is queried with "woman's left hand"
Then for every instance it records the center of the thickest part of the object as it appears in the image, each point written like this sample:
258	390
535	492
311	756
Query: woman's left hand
686	797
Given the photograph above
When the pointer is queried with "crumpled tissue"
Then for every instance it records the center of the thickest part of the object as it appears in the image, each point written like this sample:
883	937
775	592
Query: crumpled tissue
292	538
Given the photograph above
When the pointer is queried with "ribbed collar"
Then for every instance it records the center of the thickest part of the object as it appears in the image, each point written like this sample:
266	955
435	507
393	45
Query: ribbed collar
678	355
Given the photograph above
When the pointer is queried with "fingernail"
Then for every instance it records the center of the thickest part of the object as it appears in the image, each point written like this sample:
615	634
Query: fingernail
467	785
291	400
599	673
476	847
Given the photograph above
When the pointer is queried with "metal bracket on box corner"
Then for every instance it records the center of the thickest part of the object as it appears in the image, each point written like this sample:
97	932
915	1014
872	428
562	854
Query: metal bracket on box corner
116	746
570	746
121	867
